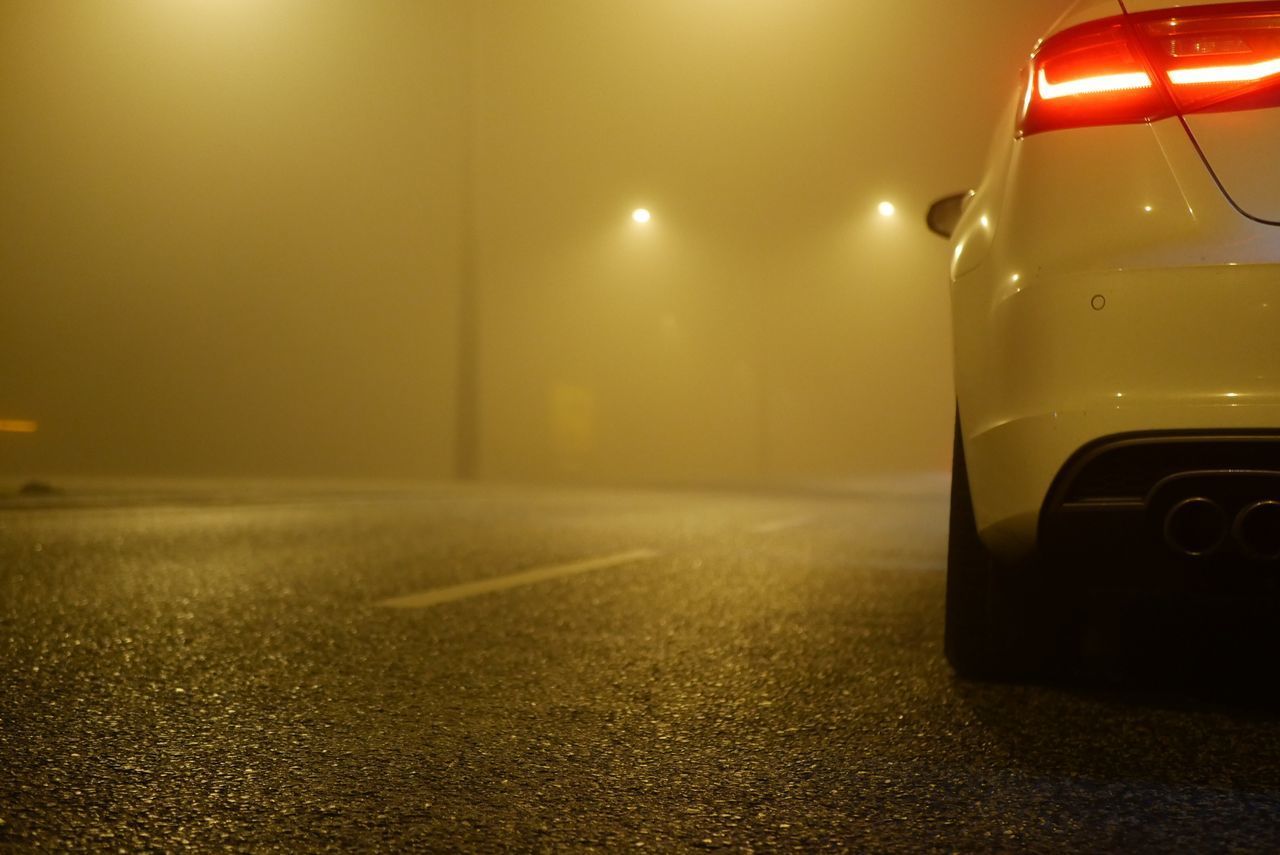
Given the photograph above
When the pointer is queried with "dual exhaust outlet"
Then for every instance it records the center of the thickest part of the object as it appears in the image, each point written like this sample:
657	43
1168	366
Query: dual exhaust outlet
1198	527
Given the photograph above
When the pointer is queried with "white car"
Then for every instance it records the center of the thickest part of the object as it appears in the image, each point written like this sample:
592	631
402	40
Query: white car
1116	309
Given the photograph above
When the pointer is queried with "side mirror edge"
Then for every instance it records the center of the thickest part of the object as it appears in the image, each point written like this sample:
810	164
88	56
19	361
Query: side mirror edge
944	214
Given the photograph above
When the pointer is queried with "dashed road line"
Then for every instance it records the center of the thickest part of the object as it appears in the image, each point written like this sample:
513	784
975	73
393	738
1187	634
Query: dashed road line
785	524
466	590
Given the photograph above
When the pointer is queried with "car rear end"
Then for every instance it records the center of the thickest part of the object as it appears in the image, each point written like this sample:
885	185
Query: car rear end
1116	294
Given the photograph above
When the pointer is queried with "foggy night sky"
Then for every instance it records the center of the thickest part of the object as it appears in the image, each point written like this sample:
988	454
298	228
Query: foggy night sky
241	237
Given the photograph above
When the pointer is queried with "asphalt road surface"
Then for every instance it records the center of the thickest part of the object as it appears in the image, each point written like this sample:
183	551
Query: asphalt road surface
465	668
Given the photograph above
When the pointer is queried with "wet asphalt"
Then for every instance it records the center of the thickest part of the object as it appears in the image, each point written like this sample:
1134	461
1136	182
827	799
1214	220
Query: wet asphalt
218	670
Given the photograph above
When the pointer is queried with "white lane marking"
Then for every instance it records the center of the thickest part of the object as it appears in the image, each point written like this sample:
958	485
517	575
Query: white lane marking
515	580
775	526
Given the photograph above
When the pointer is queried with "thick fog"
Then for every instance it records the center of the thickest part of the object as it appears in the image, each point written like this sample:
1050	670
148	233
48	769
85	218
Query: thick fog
394	239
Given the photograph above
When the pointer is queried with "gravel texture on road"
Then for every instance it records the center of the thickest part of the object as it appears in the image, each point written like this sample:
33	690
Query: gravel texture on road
213	671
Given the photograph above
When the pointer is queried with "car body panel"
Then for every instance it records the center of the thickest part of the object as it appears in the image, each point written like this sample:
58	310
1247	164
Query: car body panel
1240	149
1238	146
1100	295
1084	11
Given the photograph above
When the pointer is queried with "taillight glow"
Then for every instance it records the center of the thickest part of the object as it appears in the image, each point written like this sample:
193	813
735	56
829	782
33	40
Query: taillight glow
1145	67
1225	73
1093	85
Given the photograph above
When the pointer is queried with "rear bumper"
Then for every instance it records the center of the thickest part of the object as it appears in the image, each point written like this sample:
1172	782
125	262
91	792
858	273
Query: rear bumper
1124	503
1023	470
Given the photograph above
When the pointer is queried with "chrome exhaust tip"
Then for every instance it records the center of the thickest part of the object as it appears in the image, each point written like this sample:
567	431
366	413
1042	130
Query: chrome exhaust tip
1196	527
1257	530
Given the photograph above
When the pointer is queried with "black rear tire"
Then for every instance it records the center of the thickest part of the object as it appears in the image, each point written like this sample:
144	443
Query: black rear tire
996	620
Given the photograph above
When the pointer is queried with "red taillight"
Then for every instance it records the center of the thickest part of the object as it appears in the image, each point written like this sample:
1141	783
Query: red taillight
1217	57
1140	68
1094	74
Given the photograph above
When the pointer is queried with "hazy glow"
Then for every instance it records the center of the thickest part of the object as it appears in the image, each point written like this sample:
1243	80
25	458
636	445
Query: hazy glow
18	426
887	209
1093	85
514	318
1226	73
